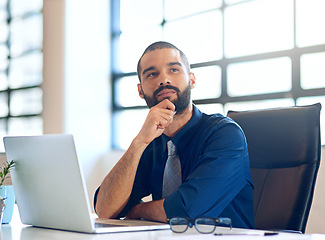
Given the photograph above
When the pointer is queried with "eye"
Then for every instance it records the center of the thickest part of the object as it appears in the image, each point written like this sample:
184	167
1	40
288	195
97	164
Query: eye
152	74
174	70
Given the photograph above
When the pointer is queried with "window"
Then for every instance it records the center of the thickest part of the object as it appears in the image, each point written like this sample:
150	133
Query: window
21	64
243	56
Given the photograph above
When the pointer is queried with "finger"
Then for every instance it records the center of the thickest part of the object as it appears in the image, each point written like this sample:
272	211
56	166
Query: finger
169	122
166	104
162	123
165	117
158	113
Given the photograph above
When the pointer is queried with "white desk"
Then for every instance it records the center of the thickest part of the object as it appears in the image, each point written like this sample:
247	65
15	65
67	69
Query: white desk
17	231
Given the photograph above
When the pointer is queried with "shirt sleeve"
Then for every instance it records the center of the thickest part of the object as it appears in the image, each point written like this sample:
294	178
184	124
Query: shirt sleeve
217	178
139	190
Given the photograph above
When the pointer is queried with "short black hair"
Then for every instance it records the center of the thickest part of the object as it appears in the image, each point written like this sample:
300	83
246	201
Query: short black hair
162	45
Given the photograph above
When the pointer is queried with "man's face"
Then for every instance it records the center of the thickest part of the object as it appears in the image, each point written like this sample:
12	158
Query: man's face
164	76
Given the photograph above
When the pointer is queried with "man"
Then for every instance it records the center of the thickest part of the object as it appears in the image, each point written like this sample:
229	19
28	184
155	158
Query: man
215	178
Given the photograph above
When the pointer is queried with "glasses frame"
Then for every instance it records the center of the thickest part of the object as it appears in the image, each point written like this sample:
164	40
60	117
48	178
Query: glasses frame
222	222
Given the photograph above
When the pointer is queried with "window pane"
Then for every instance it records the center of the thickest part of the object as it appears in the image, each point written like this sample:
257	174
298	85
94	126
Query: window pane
263	104
252	27
311	100
132	45
208	82
181	8
3	14
235	1
3	104
258	77
310	22
211	108
20	7
26	70
23	32
313	70
199	43
25	126
4	32
26	102
3	3
127	125
3	132
140	13
3	51
3	65
127	92
3	81
20	41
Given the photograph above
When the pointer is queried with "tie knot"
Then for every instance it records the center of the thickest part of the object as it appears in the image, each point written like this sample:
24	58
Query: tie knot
171	148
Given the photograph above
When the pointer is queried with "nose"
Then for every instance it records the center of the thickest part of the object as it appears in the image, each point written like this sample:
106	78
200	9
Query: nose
164	80
166	83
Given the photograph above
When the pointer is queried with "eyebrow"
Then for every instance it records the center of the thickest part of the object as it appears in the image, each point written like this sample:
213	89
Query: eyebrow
174	63
147	70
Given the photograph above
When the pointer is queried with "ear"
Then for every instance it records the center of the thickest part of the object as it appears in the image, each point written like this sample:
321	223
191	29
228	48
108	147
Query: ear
140	91
192	80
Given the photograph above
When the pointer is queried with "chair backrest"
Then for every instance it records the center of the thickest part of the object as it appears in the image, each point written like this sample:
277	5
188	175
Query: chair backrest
284	150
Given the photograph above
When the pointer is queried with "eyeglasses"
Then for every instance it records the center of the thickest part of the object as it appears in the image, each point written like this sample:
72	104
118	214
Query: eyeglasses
202	225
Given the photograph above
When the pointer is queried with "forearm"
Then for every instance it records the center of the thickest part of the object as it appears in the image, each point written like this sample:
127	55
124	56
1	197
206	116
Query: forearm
153	211
116	188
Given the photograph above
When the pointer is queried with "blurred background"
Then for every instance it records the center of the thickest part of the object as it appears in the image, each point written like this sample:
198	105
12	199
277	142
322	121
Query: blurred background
69	66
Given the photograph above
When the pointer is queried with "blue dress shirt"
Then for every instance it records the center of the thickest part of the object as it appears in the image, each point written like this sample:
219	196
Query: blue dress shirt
216	178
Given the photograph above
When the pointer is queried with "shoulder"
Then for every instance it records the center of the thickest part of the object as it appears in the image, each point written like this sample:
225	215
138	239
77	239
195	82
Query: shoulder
218	122
218	128
211	120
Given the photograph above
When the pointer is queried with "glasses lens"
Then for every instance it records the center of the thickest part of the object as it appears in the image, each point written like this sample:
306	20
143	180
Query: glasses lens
224	222
205	225
178	225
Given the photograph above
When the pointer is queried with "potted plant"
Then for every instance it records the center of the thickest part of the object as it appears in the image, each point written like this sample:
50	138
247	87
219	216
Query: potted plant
6	194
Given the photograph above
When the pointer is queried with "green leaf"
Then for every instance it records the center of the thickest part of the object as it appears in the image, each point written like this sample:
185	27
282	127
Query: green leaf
5	171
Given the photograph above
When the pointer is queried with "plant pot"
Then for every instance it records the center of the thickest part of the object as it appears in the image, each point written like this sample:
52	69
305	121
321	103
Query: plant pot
2	208
7	193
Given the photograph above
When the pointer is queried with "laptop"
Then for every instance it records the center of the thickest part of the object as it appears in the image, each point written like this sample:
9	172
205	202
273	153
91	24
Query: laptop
50	188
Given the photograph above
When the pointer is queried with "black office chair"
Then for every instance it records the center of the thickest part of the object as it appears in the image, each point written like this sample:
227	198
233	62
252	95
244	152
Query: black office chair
284	150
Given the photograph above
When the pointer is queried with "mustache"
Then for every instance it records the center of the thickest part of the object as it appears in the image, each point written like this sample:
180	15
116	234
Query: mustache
165	87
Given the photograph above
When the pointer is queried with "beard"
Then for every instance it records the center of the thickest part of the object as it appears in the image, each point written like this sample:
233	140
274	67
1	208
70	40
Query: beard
181	102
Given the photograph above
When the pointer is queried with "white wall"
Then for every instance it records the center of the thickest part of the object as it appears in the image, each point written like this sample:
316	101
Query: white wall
53	66
87	82
76	78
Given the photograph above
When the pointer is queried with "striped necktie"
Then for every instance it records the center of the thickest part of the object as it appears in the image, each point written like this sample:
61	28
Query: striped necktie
172	174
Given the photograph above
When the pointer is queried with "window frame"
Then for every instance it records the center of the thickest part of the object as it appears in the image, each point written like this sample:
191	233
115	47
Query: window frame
294	54
10	90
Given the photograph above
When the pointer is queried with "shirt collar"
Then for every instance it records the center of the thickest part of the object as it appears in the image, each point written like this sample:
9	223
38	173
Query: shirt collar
196	116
